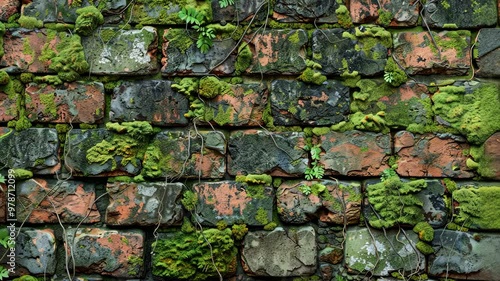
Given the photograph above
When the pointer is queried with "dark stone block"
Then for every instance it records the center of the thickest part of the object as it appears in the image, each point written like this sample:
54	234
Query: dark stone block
460	14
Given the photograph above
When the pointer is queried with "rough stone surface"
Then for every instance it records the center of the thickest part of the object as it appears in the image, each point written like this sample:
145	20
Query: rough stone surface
305	11
279	51
107	252
186	153
243	11
35	149
417	54
460	14
465	255
36	258
148	203
430	155
280	253
176	60
8	108
125	52
77	102
244	106
49	201
492	157
340	202
23	48
354	153
488	52
384	12
152	101
8	8
154	13
296	103
381	252
233	202
258	152
357	52
51	11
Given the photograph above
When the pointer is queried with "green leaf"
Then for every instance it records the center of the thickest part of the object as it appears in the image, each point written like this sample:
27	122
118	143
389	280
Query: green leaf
225	3
2	179
4	273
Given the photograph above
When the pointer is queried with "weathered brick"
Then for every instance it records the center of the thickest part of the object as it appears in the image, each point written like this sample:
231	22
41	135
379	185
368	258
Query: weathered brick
8	106
122	52
361	50
431	155
77	102
305	11
116	253
301	201
296	103
23	49
384	12
488	52
489	158
460	14
152	101
186	153
55	11
382	252
417	53
354	153
36	252
279	52
259	152
243	11
8	8
99	152
279	253
465	255
234	202
35	149
160	13
148	203
475	205
50	201
187	59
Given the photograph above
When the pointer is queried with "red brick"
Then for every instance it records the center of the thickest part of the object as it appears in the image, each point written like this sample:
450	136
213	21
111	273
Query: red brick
8	8
73	102
404	13
430	155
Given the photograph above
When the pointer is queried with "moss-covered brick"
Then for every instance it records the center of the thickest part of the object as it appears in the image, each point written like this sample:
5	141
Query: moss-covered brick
288	11
463	14
476	206
89	18
159	12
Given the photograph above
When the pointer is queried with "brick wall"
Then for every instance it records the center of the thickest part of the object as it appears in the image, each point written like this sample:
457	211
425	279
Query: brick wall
315	140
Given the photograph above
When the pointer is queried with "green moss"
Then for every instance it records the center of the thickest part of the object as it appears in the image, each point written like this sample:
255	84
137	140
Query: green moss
239	231
320	131
48	101
136	129
2	32
187	226
270	226
343	16
221	225
475	115
89	18
59	26
22	174
394	75
244	59
384	17
312	76
30	22
26	77
211	86
450	184
255	179
478	207
395	202
450	26
195	256
425	231
186	86
4	78
261	216
189	200
179	39
135	264
85	126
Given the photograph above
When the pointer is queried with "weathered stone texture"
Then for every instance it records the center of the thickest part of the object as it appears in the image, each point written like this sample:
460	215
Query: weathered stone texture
8	8
381	252
152	101
8	108
107	252
280	253
488	52
305	11
234	202
460	14
417	54
300	201
296	103
187	59
36	252
51	201
148	203
490	166
35	149
51	11
384	12
358	50
69	103
123	52
465	255
354	153
279	52
243	11
430	155
258	152
186	153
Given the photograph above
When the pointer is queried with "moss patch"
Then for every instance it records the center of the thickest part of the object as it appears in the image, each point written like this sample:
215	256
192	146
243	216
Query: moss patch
478	207
89	18
30	22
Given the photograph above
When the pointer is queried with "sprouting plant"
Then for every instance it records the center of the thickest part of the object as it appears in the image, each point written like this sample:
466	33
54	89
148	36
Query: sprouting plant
315	171
388	77
225	3
387	173
305	189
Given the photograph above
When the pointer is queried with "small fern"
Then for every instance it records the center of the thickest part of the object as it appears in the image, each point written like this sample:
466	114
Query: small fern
225	3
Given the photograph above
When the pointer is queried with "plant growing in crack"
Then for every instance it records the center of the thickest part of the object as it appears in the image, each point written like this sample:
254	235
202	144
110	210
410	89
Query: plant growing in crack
315	171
